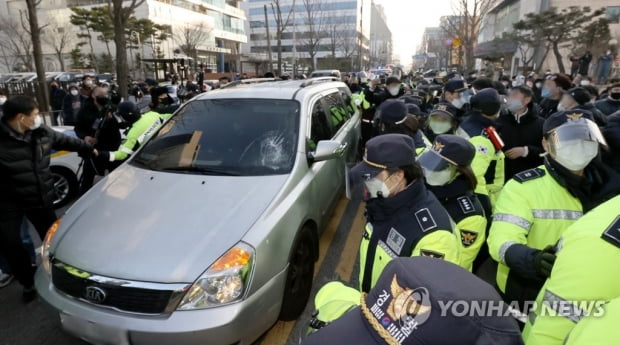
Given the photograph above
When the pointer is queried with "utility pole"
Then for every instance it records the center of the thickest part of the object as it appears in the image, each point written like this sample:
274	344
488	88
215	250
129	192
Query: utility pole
294	42
268	39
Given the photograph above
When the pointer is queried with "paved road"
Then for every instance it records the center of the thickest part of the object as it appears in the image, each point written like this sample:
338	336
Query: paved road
35	324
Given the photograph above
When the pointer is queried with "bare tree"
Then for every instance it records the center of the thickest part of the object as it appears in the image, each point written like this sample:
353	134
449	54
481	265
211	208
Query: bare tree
120	16
16	43
281	25
467	24
191	36
315	22
35	33
333	35
60	38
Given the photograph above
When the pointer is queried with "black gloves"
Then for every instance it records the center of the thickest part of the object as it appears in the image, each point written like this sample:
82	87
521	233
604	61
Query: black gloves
529	262
544	261
104	156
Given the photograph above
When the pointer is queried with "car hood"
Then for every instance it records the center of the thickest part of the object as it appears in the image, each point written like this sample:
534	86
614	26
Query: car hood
151	226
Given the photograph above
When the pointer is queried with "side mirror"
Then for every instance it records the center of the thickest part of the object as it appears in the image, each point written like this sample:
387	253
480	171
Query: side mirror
327	150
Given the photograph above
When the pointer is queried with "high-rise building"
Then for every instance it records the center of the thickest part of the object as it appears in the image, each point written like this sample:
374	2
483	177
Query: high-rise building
380	37
214	29
314	33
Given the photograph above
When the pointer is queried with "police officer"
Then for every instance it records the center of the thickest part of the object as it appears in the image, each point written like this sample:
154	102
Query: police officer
455	93
585	276
598	329
539	204
442	120
580	98
393	117
478	128
141	127
411	305
404	219
449	176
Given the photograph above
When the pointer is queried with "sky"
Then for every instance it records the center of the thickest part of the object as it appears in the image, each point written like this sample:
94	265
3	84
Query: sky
407	20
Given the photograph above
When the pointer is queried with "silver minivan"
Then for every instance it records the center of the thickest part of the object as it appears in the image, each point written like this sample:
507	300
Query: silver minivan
209	233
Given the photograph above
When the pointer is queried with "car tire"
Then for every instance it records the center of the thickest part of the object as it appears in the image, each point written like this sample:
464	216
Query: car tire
299	276
65	186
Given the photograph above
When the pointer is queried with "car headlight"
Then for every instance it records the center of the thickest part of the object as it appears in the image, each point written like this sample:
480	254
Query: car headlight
225	282
45	247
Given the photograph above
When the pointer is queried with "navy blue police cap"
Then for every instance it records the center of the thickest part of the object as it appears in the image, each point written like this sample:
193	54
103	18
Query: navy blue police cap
416	301
455	85
444	109
448	149
413	109
419	93
486	101
384	152
392	111
562	117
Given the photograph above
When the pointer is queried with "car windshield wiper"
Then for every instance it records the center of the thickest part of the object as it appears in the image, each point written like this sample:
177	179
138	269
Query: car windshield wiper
201	170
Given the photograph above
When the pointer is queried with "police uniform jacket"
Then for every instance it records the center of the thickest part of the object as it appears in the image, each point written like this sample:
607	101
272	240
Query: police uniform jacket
410	223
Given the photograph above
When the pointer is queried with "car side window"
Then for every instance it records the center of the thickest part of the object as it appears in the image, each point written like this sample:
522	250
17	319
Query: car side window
348	103
336	110
320	128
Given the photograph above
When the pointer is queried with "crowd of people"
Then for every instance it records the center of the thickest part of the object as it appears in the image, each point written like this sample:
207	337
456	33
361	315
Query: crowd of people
519	175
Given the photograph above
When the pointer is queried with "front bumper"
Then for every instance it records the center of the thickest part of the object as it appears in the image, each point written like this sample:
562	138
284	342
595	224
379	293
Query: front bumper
240	323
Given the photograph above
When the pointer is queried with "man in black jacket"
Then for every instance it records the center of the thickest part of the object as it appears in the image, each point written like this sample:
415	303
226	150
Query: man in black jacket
611	103
26	183
521	130
580	98
97	126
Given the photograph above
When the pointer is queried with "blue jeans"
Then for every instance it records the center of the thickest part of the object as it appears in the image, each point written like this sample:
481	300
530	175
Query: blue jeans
26	242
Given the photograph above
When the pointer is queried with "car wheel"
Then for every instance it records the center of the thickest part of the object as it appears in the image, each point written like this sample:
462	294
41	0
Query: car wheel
299	276
65	186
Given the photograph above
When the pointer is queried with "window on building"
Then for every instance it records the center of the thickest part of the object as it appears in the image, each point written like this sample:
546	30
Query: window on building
612	13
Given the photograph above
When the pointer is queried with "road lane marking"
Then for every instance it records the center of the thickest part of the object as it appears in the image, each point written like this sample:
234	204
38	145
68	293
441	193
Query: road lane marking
348	255
281	331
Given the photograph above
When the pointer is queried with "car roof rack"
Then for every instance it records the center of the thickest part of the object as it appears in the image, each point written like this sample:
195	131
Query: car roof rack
248	81
318	80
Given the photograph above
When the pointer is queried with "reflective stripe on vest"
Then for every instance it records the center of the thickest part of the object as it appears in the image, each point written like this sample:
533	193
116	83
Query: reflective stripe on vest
126	150
512	219
503	249
563	307
557	214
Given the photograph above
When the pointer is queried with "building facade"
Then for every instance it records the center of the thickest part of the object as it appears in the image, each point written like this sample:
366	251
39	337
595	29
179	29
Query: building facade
498	23
316	33
217	28
381	46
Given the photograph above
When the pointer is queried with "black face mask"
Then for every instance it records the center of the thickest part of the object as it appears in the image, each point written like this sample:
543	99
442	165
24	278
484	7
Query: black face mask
101	100
166	101
615	96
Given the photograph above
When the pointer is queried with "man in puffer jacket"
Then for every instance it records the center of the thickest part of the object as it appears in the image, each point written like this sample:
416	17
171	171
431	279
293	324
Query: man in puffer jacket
26	183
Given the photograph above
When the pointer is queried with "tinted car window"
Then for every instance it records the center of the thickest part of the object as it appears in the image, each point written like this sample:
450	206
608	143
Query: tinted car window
336	110
321	130
226	137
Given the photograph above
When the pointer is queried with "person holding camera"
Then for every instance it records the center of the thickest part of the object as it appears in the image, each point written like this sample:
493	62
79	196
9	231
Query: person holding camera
96	125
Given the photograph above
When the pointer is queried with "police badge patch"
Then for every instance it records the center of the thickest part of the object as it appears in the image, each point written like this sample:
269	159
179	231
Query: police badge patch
612	233
426	220
431	254
468	237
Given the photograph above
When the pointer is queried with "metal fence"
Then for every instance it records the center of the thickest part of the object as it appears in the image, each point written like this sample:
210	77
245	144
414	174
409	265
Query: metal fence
30	89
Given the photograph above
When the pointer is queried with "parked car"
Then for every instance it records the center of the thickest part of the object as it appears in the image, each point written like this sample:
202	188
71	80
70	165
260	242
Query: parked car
65	168
209	233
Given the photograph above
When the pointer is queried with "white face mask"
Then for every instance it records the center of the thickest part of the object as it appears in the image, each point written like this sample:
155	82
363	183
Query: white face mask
585	83
38	121
458	103
576	155
88	82
514	105
439	178
377	188
74	92
561	107
2	100
393	90
538	85
439	127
